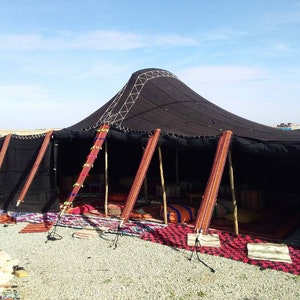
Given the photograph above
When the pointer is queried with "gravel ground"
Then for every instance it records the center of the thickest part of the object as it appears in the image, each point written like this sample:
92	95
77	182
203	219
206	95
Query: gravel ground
73	268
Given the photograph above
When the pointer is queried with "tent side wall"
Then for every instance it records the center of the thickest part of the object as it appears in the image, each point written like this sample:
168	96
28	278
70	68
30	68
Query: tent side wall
18	161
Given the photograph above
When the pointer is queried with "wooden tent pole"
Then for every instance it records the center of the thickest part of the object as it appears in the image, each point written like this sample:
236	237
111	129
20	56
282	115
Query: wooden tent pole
98	141
232	189
211	191
145	184
4	148
106	179
35	167
177	168
139	177
163	187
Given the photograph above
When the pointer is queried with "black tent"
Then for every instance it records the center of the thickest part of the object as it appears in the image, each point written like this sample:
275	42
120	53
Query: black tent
264	158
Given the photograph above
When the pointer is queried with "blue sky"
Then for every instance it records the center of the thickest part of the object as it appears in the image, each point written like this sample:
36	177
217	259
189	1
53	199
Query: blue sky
60	60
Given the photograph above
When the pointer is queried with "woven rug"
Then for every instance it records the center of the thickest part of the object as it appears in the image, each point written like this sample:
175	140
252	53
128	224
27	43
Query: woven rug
37	221
232	247
36	227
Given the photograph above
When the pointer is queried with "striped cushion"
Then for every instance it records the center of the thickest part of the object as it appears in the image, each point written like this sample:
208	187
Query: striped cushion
178	213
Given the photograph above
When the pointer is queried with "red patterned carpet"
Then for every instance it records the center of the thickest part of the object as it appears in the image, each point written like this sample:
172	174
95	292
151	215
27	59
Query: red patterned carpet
232	247
272	225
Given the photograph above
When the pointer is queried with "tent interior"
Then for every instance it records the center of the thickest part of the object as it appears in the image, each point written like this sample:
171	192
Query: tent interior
265	186
189	167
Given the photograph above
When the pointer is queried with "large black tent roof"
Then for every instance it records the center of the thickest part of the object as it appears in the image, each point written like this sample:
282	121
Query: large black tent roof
156	98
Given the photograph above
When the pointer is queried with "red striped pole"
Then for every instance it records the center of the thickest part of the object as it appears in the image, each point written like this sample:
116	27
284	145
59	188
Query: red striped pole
4	148
35	167
211	191
140	175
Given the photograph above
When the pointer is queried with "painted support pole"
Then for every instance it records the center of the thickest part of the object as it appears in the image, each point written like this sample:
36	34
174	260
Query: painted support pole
35	167
4	148
211	191
99	139
140	175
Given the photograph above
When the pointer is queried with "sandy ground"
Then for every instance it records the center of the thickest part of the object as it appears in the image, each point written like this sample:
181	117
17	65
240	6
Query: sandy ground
73	268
